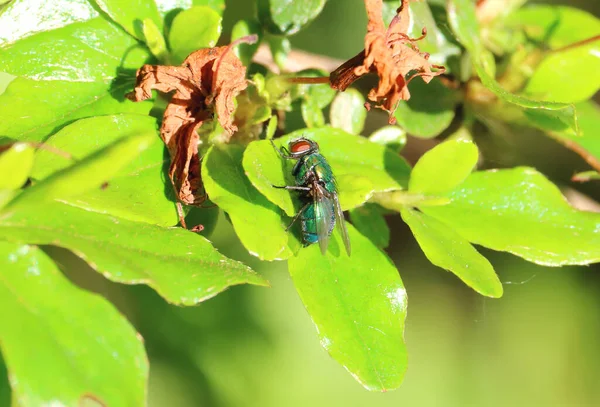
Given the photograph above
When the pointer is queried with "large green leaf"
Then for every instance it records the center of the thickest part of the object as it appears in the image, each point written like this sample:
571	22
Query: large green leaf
22	18
79	70
443	167
393	137
358	304
429	111
130	14
91	51
360	166
193	29
58	103
447	249
521	212
15	165
348	111
85	352
88	174
284	17
257	222
181	266
140	191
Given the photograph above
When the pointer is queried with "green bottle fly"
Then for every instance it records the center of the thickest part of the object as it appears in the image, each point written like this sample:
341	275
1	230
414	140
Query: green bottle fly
318	193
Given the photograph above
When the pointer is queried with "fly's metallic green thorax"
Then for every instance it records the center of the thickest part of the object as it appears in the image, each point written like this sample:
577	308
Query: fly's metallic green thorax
318	193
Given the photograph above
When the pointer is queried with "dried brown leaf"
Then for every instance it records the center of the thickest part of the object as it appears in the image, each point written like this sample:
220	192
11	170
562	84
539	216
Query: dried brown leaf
391	54
204	85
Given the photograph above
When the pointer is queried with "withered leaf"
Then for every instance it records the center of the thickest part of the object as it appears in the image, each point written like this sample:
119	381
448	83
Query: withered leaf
391	54
204	85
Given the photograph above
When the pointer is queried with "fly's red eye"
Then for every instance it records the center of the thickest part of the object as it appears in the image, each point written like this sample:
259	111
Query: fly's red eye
300	146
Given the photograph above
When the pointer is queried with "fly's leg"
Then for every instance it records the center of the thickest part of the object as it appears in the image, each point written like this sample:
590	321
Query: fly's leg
283	152
297	216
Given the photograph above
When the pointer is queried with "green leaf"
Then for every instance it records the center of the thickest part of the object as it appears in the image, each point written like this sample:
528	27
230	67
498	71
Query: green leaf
243	28
311	113
280	48
551	116
519	211
393	137
15	165
140	191
586	176
167	6
193	29
447	249
84	69
443	168
22	18
348	111
429	111
282	17
358	304
131	13
183	267
90	51
85	175
556	26
257	222
88	350
361	167
370	222
155	40
556	77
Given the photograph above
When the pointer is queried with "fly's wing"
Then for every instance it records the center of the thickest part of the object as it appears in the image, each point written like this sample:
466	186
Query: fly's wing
323	217
341	223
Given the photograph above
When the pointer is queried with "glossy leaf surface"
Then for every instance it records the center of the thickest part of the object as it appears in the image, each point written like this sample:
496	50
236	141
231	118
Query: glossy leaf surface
447	249
83	342
519	211
358	304
181	266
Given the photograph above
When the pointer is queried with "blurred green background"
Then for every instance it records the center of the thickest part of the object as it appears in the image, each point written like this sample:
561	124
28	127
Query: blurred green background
536	346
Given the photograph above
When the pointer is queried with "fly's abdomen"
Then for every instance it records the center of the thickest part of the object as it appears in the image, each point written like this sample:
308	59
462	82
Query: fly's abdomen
309	221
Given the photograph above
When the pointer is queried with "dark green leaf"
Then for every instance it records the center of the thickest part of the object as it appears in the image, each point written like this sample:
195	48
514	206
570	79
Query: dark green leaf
257	222
88	350
15	165
447	249
348	111
282	17
140	191
519	211
429	111
131	13
193	29
391	136
443	168
85	175
358	304
181	266
243	28
369	221
361	167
